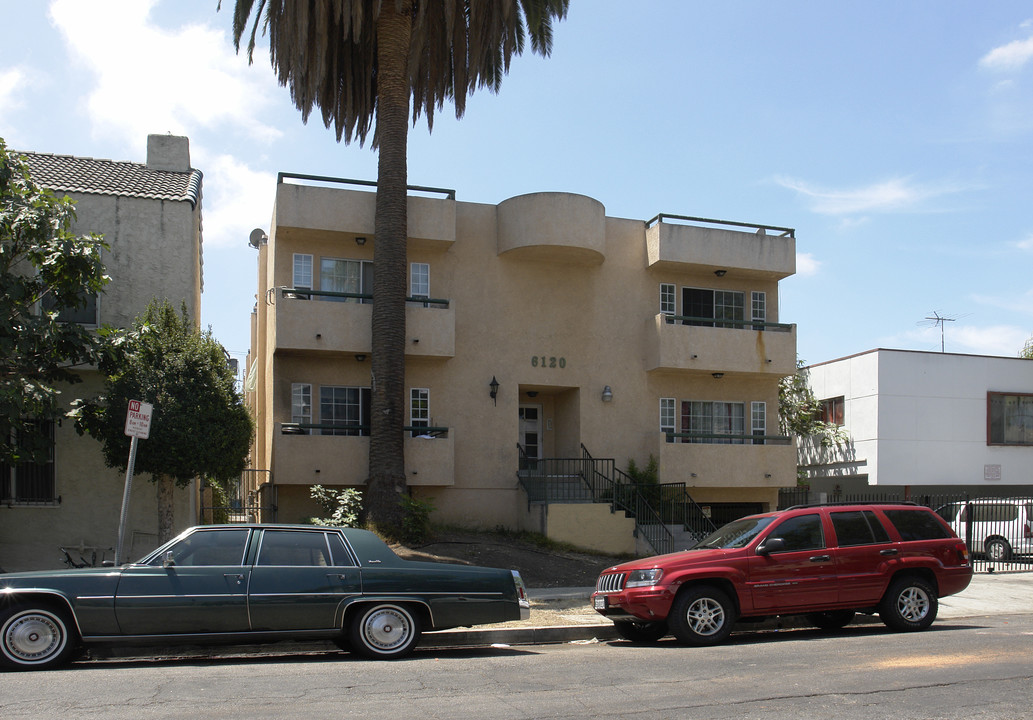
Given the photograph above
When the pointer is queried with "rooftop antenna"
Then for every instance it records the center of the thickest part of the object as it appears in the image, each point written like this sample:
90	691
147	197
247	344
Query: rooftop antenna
940	320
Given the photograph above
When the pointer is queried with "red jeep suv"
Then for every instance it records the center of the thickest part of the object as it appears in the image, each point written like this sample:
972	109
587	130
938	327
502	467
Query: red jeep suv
827	562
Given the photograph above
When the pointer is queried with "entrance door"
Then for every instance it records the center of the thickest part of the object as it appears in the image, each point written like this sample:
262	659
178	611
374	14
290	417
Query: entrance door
531	432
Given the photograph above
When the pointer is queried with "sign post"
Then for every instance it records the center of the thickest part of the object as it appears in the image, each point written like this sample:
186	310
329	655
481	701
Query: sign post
138	427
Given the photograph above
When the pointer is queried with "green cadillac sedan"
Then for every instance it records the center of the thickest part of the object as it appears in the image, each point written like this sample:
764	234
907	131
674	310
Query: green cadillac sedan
247	584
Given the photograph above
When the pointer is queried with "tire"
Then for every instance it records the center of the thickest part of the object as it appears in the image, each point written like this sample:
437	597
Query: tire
640	632
998	550
35	637
909	604
384	631
834	620
701	615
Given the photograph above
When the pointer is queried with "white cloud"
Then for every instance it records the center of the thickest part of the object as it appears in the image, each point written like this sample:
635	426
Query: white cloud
236	200
156	80
807	265
12	82
1003	340
895	194
1026	244
1009	57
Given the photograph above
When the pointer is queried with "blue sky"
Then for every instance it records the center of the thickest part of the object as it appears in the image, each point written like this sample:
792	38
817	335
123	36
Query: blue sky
895	137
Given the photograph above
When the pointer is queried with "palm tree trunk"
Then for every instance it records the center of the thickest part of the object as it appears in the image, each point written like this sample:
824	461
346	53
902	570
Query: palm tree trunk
386	461
165	486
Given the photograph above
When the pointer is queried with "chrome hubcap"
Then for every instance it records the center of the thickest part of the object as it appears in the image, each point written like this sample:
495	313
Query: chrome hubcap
913	604
33	637
706	616
386	628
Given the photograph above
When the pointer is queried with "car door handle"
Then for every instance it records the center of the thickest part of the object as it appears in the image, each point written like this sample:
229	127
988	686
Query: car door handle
234	576
337	576
891	551
821	558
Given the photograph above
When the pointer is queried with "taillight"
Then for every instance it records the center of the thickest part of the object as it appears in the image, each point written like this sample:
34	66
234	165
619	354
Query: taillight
962	553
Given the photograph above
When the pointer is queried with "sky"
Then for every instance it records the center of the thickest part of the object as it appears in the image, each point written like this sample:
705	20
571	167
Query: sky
896	138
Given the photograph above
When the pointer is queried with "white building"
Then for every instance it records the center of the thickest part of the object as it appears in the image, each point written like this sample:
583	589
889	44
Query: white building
941	422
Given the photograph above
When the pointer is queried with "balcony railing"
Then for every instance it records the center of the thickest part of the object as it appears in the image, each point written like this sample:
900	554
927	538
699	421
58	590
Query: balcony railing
728	439
290	293
741	324
355	429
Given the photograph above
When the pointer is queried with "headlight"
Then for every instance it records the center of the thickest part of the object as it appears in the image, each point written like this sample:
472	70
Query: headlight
642	578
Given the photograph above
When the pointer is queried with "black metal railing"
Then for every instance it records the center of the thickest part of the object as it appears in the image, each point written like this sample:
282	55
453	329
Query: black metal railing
355	429
782	231
294	293
728	439
722	323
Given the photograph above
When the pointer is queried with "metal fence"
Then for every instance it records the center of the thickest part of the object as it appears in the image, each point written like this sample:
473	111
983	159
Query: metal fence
997	530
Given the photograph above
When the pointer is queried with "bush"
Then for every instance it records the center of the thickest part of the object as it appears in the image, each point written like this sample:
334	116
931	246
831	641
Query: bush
343	506
416	523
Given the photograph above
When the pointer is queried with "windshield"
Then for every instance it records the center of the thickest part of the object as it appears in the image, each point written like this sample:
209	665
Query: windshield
735	534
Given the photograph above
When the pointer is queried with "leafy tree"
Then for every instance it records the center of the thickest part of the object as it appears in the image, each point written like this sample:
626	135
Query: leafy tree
200	426
799	411
1027	350
360	62
44	269
342	505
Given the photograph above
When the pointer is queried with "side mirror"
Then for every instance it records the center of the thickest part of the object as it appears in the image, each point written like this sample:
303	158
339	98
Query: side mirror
771	545
167	561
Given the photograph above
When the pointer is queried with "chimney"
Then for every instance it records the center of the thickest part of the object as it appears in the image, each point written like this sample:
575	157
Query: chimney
168	152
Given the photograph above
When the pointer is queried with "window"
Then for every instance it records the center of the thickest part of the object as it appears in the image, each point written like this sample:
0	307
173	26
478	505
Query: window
858	527
419	409
668	299
301	404
1009	419
759	309
759	421
917	525
302	271
419	280
85	315
294	548
28	482
208	548
711	420
713	308
346	276
831	410
801	533
346	407
667	418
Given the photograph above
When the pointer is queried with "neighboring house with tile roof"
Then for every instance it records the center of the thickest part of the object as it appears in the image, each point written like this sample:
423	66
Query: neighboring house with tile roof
150	215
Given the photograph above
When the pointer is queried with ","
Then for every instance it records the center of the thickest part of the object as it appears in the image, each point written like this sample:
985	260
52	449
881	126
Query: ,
251	583
826	562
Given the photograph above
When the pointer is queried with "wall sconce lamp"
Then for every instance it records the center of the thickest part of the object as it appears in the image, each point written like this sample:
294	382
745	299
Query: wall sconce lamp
360	358
360	241
767	475
494	385
720	273
607	393
718	376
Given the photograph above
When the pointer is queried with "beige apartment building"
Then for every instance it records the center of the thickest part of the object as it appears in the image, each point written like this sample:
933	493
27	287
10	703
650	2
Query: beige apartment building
150	215
544	339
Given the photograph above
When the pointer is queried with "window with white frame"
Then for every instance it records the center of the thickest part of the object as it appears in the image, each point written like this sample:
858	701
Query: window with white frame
667	417
354	277
668	299
344	410
1009	419
419	280
707	422
759	309
85	314
30	483
758	421
713	308
302	271
301	404
419	409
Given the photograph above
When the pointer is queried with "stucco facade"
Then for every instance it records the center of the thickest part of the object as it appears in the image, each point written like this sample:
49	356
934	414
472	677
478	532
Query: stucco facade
923	420
581	318
150	215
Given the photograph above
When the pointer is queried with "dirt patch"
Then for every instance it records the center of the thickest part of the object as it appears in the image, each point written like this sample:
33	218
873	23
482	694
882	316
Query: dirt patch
540	567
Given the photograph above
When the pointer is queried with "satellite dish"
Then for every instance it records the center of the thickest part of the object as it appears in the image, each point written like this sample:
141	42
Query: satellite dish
257	237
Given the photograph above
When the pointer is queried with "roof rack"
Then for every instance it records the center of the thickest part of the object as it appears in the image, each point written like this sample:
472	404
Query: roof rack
861	502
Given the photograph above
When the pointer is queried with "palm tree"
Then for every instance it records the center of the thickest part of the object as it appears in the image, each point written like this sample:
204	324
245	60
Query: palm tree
360	62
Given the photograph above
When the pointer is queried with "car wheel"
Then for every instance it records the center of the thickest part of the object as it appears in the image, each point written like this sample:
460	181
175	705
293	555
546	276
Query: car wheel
35	637
998	550
384	631
909	604
640	632
834	620
701	615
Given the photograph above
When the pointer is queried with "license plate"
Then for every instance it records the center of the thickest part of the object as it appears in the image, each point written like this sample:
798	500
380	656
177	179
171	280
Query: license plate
600	602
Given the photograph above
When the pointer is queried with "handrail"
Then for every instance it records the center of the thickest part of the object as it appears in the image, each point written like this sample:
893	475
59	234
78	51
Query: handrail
280	177
291	428
732	439
790	232
291	293
714	322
